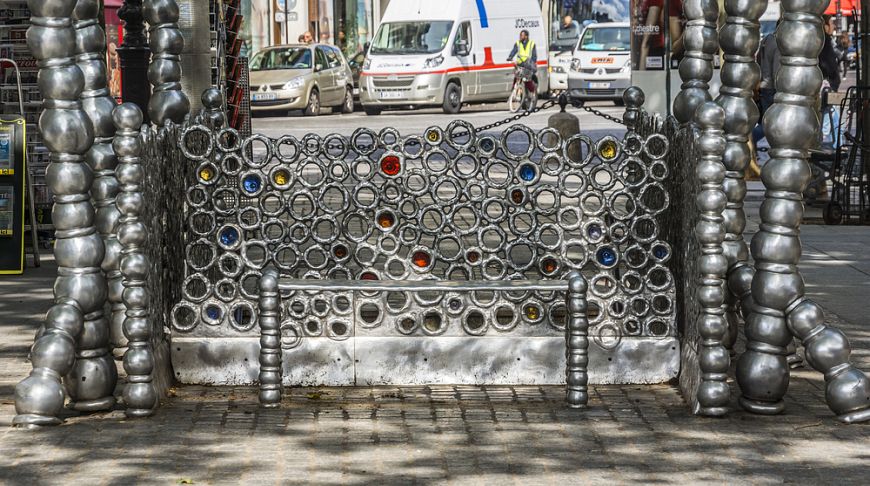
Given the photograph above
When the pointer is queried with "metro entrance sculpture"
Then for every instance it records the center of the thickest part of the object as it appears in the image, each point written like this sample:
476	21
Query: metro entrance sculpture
653	222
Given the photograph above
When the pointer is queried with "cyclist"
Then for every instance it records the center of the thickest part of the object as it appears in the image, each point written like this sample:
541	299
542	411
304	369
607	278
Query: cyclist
526	57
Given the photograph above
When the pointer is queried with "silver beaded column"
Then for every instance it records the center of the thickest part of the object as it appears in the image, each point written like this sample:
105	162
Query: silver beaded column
98	104
696	69
713	393
167	102
213	114
80	288
139	393
271	381
577	343
780	309
739	39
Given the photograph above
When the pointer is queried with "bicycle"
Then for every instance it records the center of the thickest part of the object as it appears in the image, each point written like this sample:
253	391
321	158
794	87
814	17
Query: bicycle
524	94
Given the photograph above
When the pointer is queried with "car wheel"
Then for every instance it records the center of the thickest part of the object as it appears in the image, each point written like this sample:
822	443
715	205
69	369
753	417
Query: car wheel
347	106
371	111
833	214
452	99
313	107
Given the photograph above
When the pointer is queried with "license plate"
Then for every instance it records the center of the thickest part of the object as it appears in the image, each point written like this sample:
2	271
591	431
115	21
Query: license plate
264	96
356	91
599	85
391	95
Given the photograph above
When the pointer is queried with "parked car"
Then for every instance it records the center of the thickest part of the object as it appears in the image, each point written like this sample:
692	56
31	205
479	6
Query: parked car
301	77
601	64
449	52
563	41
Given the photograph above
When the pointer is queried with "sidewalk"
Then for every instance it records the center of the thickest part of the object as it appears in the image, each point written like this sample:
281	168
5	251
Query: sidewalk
517	435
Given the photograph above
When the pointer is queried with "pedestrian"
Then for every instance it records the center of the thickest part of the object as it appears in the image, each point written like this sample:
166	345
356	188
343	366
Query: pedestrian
843	45
829	62
769	61
307	38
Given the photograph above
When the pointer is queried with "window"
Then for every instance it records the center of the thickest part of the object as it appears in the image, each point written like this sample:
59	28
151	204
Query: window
321	58
412	37
606	39
282	58
463	34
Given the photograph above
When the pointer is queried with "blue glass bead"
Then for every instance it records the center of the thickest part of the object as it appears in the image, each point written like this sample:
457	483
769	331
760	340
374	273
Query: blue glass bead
660	252
251	184
487	145
213	312
527	173
606	256
229	236
594	231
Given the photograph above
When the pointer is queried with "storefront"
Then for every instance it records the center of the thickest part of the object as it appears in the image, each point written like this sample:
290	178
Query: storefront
348	24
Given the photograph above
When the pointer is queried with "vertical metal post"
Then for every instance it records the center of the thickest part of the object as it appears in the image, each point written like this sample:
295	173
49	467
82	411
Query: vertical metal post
271	381
713	394
80	288
139	394
168	102
577	343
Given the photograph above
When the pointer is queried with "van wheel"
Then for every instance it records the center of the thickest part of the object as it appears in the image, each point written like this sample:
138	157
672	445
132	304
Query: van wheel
347	106
371	111
313	106
452	98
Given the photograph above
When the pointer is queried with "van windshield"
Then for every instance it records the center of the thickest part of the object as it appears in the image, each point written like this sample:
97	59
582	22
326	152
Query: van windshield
282	58
412	37
606	39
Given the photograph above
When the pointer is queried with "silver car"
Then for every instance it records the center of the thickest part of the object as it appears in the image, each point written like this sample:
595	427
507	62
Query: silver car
303	77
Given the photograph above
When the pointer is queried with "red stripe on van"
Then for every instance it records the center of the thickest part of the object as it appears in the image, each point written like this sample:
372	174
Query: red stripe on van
484	67
487	56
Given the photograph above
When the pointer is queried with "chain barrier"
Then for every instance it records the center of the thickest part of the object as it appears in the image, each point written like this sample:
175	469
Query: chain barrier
519	116
603	115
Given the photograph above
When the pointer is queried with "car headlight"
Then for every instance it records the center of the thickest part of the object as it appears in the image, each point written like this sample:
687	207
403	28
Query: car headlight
294	83
558	69
575	64
433	62
367	64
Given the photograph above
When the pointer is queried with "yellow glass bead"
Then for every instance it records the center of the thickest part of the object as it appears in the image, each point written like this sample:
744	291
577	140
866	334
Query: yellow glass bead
532	312
206	174
608	150
281	177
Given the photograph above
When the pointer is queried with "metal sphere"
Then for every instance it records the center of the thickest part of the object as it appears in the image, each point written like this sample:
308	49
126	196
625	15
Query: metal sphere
633	97
65	317
66	131
55	351
828	349
160	11
39	395
212	99
127	116
847	392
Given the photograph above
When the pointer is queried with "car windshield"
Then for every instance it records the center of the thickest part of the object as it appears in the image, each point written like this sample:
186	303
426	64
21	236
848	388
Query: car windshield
282	58
606	39
411	37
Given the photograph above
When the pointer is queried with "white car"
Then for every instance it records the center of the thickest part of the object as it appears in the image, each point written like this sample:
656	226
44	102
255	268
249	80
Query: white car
601	64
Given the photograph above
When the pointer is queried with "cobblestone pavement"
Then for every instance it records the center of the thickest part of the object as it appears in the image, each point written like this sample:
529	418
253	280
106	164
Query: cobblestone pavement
426	435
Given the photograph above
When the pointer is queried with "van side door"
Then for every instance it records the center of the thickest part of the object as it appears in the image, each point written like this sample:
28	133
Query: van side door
463	51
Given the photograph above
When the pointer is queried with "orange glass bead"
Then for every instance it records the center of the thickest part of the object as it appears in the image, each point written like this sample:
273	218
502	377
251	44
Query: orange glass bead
386	220
340	251
549	265
421	259
472	257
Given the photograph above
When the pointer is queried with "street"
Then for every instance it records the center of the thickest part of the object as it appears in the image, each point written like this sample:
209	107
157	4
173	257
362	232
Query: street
411	122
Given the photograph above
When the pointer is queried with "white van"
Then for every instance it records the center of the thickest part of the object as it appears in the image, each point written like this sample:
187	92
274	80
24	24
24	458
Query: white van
601	68
448	52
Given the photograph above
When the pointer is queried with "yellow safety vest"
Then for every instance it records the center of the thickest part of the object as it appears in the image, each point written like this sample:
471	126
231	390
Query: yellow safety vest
524	53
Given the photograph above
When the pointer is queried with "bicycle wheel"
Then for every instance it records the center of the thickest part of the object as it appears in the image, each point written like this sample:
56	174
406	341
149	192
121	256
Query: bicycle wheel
515	101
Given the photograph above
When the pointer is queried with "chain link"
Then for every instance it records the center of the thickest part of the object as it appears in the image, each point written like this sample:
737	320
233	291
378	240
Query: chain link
603	115
517	117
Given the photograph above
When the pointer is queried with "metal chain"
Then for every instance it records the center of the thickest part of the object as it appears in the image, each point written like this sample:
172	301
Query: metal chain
602	115
518	116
